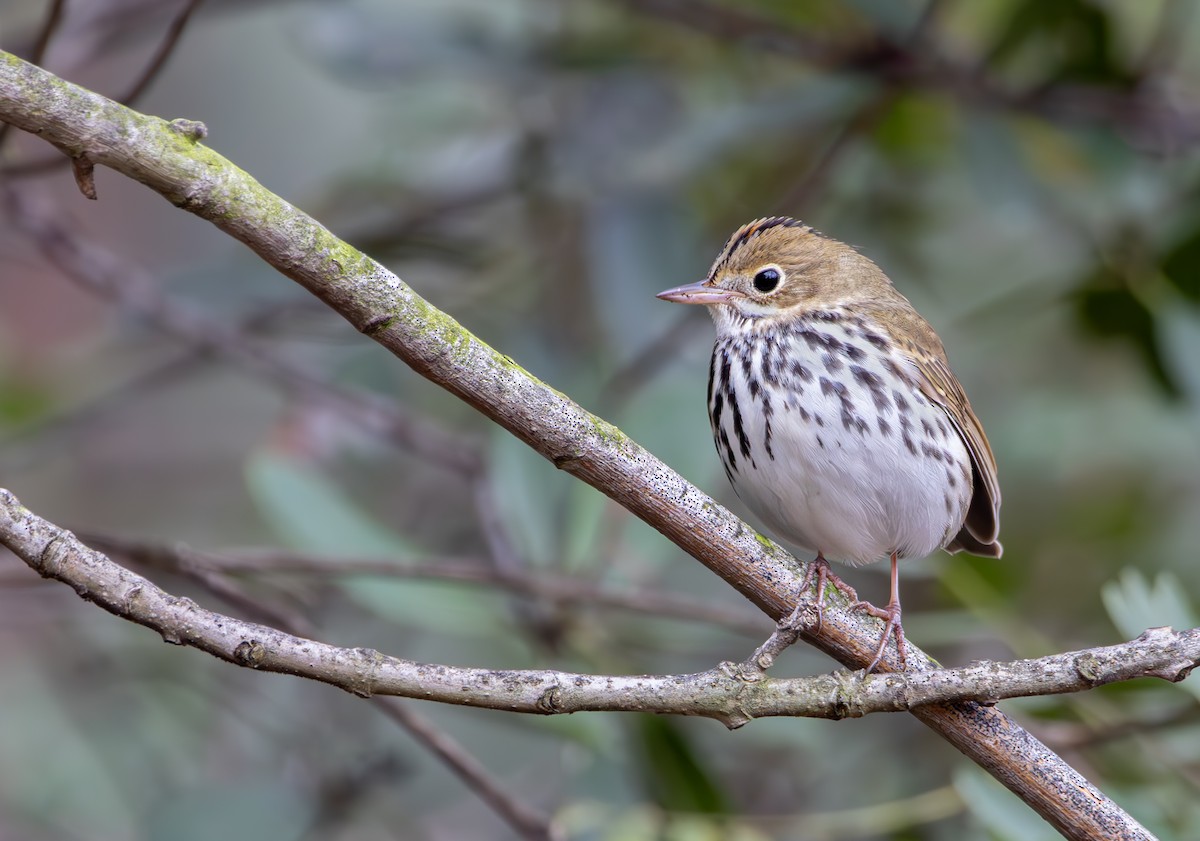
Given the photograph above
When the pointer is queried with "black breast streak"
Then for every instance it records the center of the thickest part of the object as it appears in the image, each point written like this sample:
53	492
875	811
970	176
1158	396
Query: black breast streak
875	383
875	339
739	429
906	430
767	410
712	371
726	449
850	419
820	340
899	373
722	395
772	362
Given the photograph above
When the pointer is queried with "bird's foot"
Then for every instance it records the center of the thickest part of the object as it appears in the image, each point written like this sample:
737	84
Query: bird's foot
892	627
807	615
820	570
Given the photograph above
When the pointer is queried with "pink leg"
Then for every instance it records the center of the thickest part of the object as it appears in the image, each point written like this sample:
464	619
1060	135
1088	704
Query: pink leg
821	570
892	625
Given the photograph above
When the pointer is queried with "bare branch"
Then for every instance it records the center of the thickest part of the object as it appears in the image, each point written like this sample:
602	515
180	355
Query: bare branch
723	693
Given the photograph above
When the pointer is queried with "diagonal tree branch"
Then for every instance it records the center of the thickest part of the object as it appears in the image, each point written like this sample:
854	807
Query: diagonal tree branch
168	158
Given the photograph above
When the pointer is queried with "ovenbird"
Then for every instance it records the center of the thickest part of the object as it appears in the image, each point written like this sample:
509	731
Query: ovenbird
835	413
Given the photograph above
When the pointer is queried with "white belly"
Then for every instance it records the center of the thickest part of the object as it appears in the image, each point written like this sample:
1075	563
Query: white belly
852	474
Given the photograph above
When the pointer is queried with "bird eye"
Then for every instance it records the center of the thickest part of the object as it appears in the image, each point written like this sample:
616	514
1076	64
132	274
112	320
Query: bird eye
768	279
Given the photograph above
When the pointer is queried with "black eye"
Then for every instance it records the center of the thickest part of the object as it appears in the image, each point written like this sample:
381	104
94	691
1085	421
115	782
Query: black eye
767	280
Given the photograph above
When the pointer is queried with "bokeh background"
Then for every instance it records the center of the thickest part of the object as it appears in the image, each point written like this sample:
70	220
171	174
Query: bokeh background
1025	170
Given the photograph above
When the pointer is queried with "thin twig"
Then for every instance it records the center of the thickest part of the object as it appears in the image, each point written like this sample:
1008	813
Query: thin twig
169	373
100	271
37	55
54	16
645	365
159	59
808	190
543	585
527	822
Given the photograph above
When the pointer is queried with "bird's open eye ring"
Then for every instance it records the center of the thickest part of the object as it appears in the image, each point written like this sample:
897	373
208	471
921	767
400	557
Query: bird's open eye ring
768	279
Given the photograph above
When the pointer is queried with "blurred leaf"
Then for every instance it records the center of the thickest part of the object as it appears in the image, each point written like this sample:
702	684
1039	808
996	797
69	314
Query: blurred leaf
916	130
582	523
1135	604
675	777
589	819
529	493
39	731
1074	37
997	159
1181	265
1108	309
1179	336
311	514
998	809
249	809
22	403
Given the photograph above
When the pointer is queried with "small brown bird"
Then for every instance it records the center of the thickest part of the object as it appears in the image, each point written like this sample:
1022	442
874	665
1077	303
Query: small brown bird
835	413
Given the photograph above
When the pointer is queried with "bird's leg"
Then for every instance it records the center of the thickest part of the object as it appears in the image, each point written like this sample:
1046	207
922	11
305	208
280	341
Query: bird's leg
892	625
787	630
821	570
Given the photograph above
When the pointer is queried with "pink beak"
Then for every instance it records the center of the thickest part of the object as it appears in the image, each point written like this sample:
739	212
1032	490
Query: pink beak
701	292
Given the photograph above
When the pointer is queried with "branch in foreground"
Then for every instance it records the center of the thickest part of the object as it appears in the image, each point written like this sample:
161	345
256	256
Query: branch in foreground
718	693
168	158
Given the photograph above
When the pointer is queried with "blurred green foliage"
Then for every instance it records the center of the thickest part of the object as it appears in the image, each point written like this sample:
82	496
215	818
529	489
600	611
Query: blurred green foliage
1025	171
